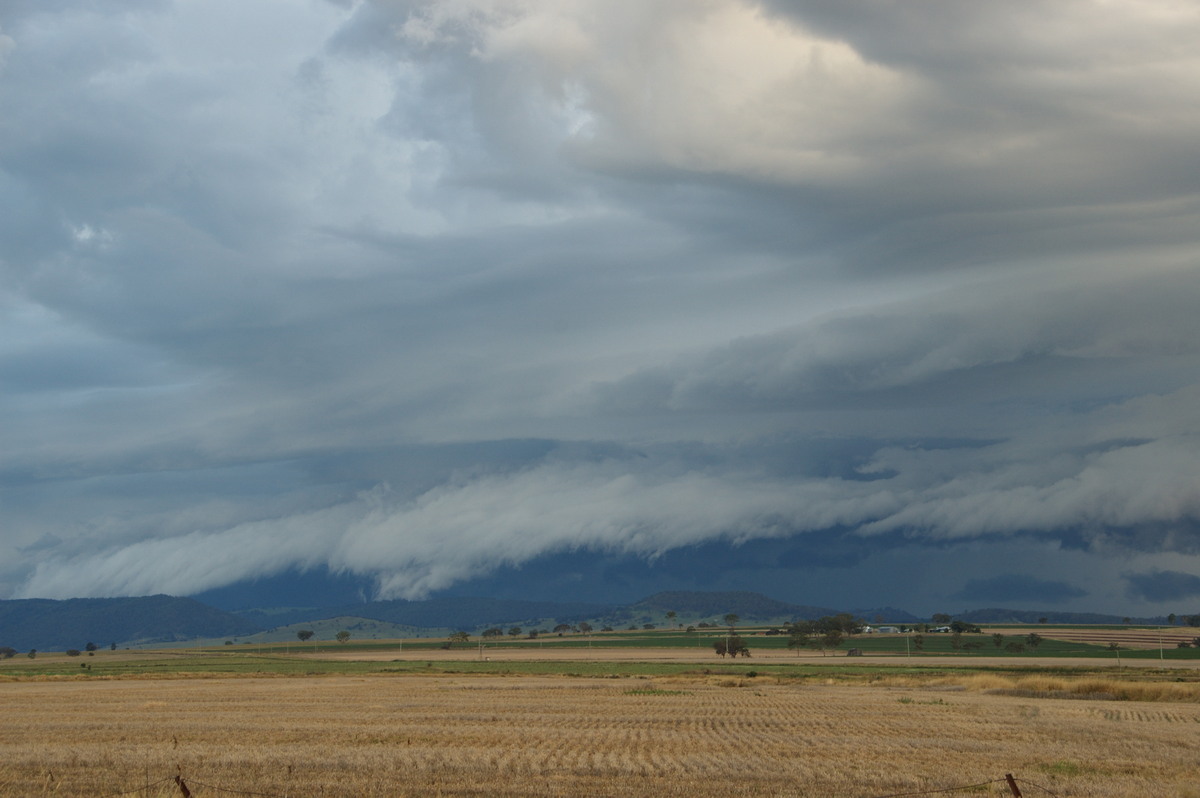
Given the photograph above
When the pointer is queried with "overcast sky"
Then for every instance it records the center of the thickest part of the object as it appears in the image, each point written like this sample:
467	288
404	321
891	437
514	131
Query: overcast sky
413	290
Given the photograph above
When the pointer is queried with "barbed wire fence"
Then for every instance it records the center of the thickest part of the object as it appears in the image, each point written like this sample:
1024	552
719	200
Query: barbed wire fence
185	787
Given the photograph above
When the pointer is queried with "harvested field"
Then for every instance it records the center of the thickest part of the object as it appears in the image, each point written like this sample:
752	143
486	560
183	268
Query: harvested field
1126	638
692	736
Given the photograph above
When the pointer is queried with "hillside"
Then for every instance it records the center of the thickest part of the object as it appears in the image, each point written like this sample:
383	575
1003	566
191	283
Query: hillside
999	615
456	613
56	625
746	605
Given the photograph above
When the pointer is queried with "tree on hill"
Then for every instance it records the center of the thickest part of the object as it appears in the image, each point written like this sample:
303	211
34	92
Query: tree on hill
731	620
304	634
514	631
90	646
343	636
671	615
585	627
7	653
495	631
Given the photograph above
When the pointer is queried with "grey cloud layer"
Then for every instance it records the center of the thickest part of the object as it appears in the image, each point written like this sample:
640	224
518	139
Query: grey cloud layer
246	273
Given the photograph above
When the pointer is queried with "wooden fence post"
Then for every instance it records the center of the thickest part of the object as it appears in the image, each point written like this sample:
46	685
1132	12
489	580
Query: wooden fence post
183	787
1012	785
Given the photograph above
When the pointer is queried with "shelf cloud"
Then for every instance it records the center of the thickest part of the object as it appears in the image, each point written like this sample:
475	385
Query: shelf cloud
420	290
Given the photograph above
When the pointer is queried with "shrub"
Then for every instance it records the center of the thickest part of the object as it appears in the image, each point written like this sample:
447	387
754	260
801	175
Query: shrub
72	652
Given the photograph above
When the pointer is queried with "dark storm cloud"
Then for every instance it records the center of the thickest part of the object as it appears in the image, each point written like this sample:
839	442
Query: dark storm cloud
1158	586
418	290
1017	588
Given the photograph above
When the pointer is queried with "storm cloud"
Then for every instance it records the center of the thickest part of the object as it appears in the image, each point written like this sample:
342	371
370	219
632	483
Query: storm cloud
418	291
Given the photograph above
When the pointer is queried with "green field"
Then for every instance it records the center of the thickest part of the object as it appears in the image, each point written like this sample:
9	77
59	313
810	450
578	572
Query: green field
318	658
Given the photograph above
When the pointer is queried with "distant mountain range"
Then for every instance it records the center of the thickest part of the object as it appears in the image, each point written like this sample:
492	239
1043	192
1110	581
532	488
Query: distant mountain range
457	613
162	620
58	625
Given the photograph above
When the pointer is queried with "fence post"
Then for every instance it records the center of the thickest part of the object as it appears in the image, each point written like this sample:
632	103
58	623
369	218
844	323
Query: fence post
183	787
1012	785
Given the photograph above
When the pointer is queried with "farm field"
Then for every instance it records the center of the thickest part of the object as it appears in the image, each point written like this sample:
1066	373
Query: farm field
818	731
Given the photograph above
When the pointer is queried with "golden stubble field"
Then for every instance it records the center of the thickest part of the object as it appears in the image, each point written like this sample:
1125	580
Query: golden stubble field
688	736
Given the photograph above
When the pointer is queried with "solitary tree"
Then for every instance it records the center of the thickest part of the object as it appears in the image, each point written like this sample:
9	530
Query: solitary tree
918	642
997	640
7	652
459	637
1171	619
32	653
495	631
585	627
671	617
731	620
514	631
304	634
90	646
342	636
799	639
1034	639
